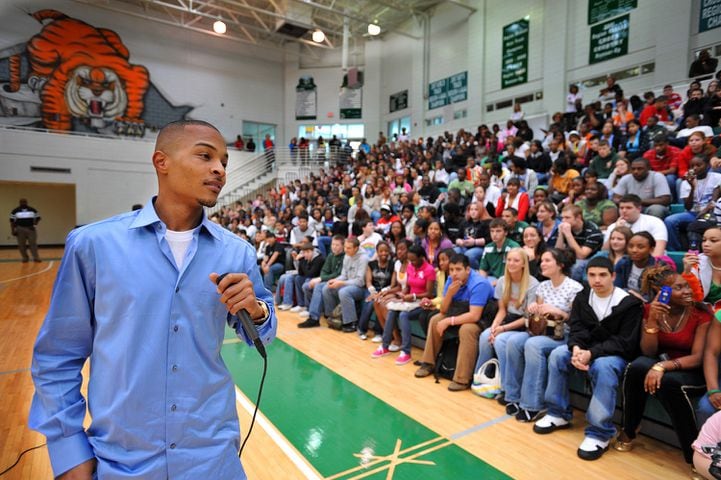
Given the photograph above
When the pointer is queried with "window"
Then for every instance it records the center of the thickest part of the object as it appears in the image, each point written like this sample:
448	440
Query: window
343	131
460	114
396	126
258	131
629	72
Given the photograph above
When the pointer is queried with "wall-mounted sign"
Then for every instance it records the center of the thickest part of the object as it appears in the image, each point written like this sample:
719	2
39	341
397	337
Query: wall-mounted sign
609	40
457	87
710	16
600	10
398	101
514	62
350	102
437	95
306	99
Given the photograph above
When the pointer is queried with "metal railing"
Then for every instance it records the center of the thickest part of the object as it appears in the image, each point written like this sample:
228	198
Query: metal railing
247	180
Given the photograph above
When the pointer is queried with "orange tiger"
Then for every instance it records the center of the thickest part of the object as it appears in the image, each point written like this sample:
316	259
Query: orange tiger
83	72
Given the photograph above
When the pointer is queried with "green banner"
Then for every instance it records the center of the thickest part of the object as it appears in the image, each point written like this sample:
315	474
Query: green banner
609	40
457	87
599	10
437	94
351	103
398	101
514	63
710	15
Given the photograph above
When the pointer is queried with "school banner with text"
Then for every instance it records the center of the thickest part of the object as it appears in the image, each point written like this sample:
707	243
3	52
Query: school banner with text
514	62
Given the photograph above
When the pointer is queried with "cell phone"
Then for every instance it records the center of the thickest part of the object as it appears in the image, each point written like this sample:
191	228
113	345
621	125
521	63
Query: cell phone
693	247
665	296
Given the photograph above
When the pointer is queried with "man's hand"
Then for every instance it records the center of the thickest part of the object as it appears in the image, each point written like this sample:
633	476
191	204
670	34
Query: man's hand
442	325
314	282
237	293
565	229
454	287
84	471
581	359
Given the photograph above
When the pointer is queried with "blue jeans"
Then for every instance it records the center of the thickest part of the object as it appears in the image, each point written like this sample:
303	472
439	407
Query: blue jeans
286	280
704	409
346	296
323	245
674	224
486	351
365	317
579	268
268	278
605	374
404	324
474	255
527	369
671	180
314	300
298	282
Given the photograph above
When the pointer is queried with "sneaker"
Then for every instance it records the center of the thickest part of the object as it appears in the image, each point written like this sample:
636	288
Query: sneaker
592	448
349	328
362	336
394	348
425	370
297	309
458	387
403	358
527	416
377	339
284	307
501	399
309	323
304	314
380	352
512	409
549	423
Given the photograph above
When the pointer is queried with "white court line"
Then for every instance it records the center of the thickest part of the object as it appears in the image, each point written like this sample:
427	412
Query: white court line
50	265
278	438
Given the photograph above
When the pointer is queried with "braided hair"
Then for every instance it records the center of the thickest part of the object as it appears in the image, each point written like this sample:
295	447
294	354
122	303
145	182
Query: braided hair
654	277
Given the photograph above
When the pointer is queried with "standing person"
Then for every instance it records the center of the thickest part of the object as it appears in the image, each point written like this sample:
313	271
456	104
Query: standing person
604	334
23	219
137	295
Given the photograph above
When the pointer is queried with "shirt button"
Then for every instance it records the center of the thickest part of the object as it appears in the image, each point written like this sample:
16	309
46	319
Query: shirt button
175	368
173	408
172	446
175	328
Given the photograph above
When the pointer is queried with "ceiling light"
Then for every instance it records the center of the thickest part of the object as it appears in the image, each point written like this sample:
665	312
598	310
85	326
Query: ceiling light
318	36
374	29
219	27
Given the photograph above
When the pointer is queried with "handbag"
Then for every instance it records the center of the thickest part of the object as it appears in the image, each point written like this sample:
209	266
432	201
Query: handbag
548	325
399	306
487	379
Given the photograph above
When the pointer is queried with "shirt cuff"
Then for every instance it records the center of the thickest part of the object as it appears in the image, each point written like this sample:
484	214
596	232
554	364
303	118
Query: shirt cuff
69	452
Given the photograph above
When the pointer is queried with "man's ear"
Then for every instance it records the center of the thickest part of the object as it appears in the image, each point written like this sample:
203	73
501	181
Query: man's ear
160	161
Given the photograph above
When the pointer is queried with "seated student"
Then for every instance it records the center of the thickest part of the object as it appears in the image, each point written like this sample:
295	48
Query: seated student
629	269
605	161
561	176
651	187
368	239
636	141
707	449
527	177
313	289
524	377
515	290
595	202
399	279
420	282
616	247
474	235
579	235
465	294
494	255
706	266
675	333
629	207
514	226
453	222
435	241
604	334
711	402
378	279
534	246
348	287
547	222
273	261
514	198
309	265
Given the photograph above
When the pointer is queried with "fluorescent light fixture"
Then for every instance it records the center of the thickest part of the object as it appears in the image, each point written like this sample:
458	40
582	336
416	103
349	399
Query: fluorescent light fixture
374	29
318	36
219	27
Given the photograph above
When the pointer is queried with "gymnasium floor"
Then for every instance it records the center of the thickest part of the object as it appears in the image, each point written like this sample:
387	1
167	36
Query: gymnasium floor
328	411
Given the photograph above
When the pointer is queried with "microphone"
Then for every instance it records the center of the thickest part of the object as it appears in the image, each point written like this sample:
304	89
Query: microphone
246	323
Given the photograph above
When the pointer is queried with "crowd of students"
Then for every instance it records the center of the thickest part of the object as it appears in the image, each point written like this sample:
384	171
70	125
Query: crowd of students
549	251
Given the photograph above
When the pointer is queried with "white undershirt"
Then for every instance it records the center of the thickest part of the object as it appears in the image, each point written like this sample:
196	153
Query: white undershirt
602	306
179	243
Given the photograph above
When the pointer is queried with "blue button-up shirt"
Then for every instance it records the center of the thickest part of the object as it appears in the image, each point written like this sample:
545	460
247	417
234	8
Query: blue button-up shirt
162	401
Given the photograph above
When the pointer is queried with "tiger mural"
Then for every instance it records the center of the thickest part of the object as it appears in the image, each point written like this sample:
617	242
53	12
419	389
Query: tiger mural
82	71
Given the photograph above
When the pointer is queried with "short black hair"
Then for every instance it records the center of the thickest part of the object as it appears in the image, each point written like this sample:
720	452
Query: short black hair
600	262
631	198
457	258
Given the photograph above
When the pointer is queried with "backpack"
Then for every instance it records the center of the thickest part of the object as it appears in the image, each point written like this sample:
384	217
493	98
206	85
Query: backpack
446	359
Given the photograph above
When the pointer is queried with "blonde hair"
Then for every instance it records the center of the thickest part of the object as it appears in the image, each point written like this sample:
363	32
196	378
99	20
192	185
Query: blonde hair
508	283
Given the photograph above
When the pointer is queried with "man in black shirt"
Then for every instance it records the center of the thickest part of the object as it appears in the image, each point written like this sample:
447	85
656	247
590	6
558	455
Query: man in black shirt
22	223
579	235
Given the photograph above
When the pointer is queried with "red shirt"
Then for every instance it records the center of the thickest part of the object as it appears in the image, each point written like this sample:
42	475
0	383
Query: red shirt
650	111
679	344
685	156
668	160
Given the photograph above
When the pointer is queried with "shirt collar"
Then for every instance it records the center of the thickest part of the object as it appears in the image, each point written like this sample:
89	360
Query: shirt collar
148	216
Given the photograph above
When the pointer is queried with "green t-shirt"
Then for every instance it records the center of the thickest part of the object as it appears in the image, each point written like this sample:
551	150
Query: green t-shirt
714	293
494	259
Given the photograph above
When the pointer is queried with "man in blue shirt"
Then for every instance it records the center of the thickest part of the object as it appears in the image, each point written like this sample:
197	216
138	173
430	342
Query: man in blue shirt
136	295
465	295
